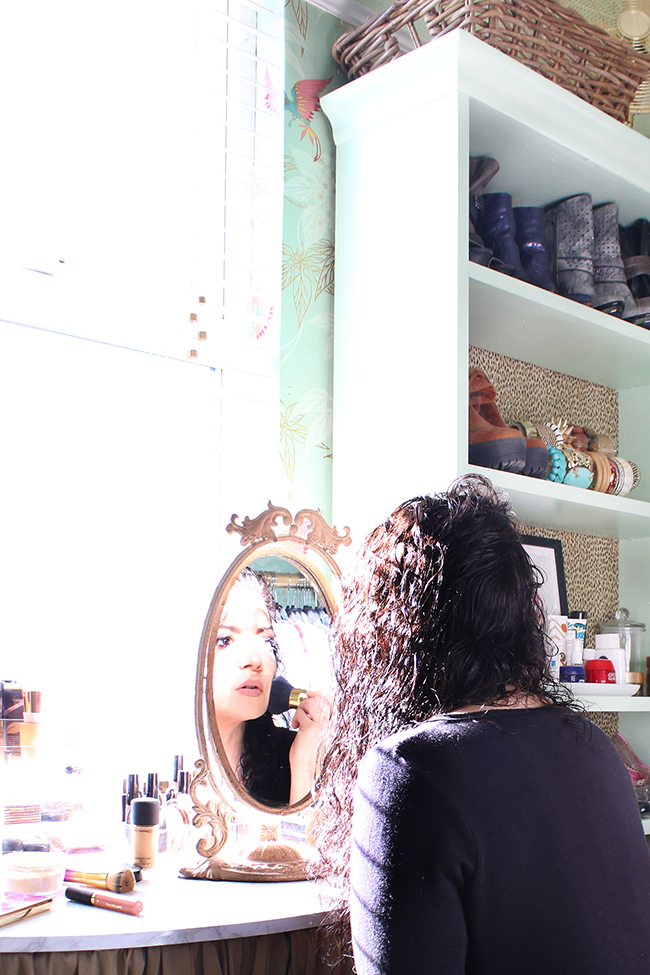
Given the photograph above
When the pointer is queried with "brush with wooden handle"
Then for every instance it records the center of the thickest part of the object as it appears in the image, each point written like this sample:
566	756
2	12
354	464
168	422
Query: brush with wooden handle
120	882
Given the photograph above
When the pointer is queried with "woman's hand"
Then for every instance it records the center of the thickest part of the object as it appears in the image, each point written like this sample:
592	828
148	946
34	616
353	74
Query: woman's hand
309	720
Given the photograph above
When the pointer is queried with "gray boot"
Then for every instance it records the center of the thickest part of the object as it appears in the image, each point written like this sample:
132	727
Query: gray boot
571	231
612	293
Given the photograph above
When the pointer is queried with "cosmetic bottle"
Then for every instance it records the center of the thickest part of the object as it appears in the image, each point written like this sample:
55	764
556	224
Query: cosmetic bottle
178	767
573	650
154	792
12	718
181	833
145	818
133	787
578	623
31	728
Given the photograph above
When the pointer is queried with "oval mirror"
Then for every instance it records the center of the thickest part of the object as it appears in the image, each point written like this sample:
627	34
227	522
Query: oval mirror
263	672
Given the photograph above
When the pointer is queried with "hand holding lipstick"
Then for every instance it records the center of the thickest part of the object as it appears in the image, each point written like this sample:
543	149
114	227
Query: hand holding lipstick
310	719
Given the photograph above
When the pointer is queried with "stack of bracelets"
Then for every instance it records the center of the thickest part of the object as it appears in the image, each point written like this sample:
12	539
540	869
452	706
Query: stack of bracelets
582	458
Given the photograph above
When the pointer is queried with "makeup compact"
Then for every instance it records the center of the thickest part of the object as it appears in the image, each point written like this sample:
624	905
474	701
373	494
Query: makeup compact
32	872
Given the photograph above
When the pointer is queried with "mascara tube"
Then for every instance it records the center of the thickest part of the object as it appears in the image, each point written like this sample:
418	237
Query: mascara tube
107	901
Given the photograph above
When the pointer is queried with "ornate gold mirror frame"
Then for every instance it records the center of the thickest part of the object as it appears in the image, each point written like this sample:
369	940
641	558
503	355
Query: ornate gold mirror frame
217	794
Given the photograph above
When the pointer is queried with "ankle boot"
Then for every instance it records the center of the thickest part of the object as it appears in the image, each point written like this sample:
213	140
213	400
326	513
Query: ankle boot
497	228
612	293
570	226
635	251
481	171
530	237
500	448
482	398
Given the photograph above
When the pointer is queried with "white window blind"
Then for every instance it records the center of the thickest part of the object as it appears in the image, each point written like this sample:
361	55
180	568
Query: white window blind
142	170
240	47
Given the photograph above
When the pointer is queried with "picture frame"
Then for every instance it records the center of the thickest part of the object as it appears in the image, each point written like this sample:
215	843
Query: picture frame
546	555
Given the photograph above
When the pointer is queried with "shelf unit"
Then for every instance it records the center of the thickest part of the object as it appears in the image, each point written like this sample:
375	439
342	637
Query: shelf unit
409	303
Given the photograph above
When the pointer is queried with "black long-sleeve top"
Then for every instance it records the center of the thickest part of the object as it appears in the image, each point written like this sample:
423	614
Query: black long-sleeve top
504	842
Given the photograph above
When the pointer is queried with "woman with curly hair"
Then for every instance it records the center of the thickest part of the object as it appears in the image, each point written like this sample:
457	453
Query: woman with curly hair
476	822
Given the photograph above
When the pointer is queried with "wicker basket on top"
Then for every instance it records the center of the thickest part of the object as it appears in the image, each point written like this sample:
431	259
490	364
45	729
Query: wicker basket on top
546	37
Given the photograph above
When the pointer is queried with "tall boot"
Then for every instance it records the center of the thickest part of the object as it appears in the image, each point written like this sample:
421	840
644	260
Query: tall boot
481	171
530	237
497	228
612	293
570	226
635	251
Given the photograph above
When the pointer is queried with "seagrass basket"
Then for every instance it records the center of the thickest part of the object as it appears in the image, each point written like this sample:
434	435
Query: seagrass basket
547	37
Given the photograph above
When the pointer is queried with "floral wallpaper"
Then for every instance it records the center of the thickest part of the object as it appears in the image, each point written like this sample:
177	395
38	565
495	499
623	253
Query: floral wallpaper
308	256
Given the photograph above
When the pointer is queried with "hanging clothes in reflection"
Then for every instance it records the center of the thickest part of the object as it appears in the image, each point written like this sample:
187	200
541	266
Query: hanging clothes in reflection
302	630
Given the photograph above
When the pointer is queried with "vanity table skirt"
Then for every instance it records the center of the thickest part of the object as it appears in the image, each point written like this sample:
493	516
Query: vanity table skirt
291	953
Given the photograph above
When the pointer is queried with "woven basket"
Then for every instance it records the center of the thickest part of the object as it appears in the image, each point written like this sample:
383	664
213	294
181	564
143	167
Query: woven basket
546	37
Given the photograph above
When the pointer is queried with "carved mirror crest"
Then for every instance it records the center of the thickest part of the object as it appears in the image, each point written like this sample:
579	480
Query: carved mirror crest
263	680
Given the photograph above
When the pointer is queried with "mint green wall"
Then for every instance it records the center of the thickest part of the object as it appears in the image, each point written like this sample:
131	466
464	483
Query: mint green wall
308	257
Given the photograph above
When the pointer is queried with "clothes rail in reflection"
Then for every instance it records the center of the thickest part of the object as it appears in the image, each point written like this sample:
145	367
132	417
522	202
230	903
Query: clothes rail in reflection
302	629
291	590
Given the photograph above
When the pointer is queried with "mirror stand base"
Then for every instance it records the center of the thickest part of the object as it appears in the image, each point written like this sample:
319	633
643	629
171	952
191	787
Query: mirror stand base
276	871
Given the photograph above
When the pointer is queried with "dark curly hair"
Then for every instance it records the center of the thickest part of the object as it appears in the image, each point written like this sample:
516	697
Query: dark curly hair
441	612
264	766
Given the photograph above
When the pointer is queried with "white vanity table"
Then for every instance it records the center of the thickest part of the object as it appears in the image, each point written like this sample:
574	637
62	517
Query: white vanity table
175	911
182	921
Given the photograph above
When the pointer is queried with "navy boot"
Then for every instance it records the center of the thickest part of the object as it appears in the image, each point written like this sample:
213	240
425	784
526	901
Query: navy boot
481	171
533	250
497	229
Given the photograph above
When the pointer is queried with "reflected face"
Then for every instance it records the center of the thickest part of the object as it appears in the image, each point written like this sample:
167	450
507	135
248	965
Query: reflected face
244	660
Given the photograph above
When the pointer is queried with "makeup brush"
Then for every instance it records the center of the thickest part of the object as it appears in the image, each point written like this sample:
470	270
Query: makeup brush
120	882
284	695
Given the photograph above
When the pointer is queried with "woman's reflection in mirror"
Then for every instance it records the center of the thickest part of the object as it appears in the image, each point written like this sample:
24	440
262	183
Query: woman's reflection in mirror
275	765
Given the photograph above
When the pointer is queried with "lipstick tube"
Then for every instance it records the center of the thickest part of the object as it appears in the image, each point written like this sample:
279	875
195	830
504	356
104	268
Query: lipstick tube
107	901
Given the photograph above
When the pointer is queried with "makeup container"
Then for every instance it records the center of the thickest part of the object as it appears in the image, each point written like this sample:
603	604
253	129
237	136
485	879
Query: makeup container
631	636
31	727
572	675
577	623
178	767
556	631
12	717
600	671
110	902
181	834
32	872
145	818
573	650
608	645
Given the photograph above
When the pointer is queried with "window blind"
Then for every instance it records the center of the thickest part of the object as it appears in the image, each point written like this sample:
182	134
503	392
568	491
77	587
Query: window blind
145	172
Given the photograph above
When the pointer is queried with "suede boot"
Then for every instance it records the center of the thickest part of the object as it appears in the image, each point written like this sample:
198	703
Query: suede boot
635	251
612	293
570	227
